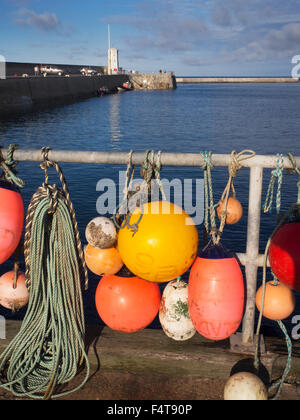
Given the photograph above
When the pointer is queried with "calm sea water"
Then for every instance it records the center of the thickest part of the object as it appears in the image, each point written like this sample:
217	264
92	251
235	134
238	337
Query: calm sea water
193	118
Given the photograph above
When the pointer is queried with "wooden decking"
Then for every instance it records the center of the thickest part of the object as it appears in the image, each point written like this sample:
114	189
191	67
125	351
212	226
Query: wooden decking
147	365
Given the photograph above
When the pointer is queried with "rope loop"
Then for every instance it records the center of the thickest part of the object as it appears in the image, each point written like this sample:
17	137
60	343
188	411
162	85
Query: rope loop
8	167
234	166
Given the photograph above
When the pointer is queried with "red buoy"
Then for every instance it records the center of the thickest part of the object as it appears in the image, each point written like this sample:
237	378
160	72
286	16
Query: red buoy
284	254
11	219
216	293
127	304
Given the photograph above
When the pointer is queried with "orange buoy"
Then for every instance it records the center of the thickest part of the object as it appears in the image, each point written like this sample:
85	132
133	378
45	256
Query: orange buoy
103	261
11	219
165	244
11	298
284	254
279	301
216	293
127	304
234	211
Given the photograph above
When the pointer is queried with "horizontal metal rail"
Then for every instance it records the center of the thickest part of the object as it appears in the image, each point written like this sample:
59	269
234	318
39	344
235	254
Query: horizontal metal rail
167	159
251	259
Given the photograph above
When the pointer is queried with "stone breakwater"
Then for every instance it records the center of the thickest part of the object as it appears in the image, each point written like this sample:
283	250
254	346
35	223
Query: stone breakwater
18	95
153	81
236	80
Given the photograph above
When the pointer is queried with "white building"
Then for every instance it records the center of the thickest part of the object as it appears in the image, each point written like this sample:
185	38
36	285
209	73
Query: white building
113	61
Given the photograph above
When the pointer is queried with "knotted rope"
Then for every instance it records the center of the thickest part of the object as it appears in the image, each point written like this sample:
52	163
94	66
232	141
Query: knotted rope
210	213
209	208
293	210
235	165
49	349
275	174
122	214
129	176
150	170
9	166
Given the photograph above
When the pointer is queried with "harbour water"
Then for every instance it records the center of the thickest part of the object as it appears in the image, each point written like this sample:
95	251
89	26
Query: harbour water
193	118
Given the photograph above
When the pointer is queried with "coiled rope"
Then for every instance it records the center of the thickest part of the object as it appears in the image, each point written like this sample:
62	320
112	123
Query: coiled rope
49	349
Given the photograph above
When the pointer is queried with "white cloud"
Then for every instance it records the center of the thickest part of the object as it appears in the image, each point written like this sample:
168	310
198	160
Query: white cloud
276	44
45	21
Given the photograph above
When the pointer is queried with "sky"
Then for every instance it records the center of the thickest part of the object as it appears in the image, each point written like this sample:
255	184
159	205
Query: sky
188	37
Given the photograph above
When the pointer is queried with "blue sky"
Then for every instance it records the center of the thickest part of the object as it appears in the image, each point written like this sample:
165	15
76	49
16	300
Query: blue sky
189	37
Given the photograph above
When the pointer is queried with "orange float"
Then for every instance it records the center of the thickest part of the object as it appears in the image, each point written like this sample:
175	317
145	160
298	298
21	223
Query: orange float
284	254
127	304
234	211
279	301
11	219
103	261
216	293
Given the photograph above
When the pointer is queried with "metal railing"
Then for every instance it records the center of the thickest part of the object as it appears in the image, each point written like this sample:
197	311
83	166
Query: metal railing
251	259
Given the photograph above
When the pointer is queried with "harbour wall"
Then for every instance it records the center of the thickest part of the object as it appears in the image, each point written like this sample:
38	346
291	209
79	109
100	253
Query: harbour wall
236	80
13	68
18	95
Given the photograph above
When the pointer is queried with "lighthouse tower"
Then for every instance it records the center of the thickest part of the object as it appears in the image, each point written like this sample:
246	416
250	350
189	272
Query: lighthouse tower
113	61
113	57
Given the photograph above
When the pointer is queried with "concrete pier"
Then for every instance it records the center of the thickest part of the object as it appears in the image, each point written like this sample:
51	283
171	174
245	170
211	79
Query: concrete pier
236	80
19	95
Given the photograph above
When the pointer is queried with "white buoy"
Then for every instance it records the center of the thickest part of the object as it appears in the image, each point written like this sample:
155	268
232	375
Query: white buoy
245	386
10	298
173	314
101	233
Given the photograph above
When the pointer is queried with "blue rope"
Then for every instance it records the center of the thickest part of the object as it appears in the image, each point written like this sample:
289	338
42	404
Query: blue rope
288	366
276	174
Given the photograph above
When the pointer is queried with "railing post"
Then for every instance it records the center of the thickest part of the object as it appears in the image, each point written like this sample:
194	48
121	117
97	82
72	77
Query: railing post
252	252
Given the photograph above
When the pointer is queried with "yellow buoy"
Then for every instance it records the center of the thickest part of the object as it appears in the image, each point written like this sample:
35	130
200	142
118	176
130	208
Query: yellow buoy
165	244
